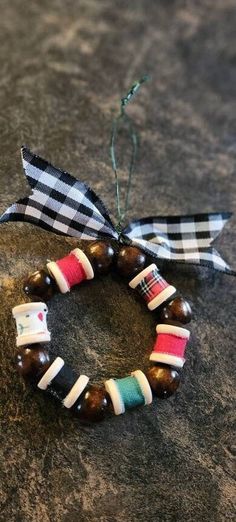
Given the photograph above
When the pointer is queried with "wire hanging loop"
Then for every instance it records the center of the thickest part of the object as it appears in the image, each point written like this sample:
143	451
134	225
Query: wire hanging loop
124	118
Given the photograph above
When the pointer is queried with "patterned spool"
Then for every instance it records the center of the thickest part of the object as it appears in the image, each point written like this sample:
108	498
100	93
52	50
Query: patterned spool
71	270
31	323
170	345
152	286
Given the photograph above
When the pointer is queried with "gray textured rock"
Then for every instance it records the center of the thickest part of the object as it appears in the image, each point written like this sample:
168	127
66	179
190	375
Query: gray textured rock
64	65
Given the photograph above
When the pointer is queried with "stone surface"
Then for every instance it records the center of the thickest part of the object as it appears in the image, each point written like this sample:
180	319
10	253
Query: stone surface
64	66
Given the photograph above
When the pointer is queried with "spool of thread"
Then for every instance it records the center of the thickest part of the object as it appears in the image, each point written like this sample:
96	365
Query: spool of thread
71	270
31	323
170	345
152	286
62	383
129	392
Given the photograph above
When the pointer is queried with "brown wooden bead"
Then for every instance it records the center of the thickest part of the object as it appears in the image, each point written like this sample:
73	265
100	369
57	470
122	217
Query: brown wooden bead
92	405
163	379
32	362
101	255
130	261
40	284
177	311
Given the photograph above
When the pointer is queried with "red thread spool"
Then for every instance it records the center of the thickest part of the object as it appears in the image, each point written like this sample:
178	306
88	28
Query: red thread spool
170	345
71	270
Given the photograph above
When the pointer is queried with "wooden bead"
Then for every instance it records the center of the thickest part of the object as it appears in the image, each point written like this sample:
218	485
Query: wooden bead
93	404
40	284
101	256
130	261
32	362
164	380
177	311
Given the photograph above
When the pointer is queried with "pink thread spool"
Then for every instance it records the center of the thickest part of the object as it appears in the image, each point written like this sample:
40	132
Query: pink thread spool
170	345
71	270
152	286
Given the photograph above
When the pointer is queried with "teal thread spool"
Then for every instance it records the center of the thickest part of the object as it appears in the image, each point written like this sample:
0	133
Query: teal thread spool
129	392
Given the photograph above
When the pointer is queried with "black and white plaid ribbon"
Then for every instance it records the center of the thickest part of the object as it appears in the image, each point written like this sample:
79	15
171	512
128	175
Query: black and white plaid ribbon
65	205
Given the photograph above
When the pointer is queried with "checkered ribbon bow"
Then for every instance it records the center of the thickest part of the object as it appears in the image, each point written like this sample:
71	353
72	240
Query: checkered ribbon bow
65	205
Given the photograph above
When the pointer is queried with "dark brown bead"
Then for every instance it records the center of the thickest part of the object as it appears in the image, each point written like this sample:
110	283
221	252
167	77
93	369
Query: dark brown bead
93	404
177	311
40	284
101	256
130	261
163	380
32	362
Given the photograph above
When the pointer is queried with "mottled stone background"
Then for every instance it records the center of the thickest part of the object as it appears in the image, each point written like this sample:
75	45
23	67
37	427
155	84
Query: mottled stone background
64	65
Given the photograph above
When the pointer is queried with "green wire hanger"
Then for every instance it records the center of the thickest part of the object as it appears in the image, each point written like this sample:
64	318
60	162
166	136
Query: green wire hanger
123	118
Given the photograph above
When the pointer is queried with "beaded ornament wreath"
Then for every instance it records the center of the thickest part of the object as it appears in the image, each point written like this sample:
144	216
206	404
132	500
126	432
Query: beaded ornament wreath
67	206
57	378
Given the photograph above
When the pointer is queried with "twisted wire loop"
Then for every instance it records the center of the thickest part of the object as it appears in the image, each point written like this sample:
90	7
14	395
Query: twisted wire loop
122	119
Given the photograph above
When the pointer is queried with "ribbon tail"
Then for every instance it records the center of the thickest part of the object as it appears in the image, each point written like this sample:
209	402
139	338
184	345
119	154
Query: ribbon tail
60	203
181	239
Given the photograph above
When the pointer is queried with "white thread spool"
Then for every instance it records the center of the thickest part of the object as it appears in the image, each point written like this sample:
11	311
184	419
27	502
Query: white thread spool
31	323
